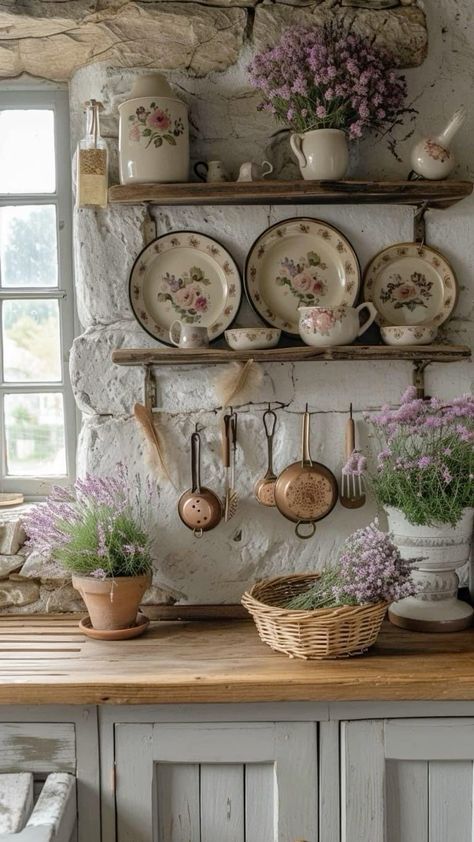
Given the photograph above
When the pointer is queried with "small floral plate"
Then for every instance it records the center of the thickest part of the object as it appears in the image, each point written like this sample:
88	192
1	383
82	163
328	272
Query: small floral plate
300	262
186	276
410	284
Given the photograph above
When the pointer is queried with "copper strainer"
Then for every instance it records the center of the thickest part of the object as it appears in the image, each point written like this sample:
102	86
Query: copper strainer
199	508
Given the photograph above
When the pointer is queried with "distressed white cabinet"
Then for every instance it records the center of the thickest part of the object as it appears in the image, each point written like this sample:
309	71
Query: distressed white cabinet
407	780
216	782
59	748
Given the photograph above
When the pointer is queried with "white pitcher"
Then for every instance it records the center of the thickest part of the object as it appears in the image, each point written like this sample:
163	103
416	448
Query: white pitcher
322	154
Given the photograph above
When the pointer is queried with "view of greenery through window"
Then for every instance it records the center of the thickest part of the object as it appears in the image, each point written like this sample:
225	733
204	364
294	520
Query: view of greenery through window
30	298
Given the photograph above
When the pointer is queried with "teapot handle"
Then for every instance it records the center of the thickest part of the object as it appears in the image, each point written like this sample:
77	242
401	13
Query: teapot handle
175	330
367	305
296	143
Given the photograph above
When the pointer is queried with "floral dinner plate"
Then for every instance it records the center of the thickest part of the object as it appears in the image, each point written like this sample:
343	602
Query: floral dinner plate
410	284
300	262
186	276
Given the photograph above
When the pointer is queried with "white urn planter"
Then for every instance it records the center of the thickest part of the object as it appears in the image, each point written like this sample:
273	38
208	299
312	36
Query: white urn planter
322	154
153	134
435	607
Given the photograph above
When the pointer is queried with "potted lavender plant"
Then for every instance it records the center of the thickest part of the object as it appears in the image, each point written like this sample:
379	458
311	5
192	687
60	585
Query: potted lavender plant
93	532
424	480
326	85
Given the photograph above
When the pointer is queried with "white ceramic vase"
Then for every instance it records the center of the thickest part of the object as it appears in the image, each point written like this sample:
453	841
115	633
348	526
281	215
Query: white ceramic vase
153	134
444	549
432	156
322	154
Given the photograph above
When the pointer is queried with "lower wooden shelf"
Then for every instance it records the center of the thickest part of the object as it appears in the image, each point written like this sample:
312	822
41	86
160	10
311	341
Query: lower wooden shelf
210	356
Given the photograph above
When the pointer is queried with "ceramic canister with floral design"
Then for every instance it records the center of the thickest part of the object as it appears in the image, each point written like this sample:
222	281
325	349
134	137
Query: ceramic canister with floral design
153	134
323	327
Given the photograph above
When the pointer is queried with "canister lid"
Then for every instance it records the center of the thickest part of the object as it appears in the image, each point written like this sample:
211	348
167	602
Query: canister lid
153	84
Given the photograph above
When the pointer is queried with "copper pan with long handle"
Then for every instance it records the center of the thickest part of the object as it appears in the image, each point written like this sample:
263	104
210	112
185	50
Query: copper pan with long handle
306	491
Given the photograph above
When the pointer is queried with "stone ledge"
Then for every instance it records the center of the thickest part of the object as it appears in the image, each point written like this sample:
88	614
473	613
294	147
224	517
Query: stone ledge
167	35
402	31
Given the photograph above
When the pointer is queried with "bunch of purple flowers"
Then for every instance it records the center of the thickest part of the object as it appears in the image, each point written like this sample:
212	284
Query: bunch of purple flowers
327	78
370	569
425	458
91	529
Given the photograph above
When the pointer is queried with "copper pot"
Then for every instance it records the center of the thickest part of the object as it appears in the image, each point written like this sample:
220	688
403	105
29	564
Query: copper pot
306	491
199	508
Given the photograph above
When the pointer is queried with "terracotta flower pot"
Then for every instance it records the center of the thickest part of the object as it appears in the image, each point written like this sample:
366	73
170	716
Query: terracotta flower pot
112	603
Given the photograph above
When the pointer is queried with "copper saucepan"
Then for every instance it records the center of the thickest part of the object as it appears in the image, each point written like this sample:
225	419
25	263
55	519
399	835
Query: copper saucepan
199	508
306	491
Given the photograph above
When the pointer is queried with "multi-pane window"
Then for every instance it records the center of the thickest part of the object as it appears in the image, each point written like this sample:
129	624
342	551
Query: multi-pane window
37	415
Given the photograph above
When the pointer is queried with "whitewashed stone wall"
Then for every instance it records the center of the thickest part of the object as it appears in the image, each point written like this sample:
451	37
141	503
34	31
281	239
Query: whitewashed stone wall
225	124
257	541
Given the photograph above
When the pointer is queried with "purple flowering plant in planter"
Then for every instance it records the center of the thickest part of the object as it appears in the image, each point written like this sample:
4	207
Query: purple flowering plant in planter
96	528
424	458
328	78
370	569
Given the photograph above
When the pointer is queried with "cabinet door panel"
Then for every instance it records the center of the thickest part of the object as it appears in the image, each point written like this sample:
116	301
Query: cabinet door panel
407	780
259	812
407	800
222	802
178	808
450	801
243	782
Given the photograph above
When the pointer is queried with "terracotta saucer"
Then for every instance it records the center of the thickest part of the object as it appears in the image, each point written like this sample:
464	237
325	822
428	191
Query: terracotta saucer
139	628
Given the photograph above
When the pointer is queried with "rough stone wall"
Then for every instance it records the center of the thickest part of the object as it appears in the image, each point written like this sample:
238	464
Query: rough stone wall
257	542
31	584
52	40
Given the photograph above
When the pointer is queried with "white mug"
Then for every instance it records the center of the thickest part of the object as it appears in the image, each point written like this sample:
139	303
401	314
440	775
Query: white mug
211	171
250	171
188	336
323	327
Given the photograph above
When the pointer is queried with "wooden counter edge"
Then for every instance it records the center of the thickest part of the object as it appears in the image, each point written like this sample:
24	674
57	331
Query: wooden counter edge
135	693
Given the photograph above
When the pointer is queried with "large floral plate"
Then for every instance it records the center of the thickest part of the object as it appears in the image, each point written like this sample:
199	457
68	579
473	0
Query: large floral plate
300	262
410	284
186	276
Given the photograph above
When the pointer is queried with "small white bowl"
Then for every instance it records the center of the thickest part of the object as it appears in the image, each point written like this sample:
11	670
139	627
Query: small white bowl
409	334
252	338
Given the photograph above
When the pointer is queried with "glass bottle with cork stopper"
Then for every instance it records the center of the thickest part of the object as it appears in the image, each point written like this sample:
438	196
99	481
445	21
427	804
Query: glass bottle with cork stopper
92	161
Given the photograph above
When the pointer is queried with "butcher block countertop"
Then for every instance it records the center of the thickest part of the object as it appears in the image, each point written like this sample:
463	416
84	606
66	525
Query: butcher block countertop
48	660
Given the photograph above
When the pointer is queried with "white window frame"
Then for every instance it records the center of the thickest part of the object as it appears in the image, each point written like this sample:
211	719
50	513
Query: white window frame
37	97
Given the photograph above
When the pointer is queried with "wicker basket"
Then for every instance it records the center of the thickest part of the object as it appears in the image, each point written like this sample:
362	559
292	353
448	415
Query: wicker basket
321	633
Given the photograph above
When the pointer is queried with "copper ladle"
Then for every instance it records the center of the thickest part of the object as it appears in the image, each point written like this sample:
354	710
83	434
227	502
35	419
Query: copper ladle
265	487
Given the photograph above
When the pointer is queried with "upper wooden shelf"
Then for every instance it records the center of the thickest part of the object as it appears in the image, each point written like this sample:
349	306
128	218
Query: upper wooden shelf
299	353
439	194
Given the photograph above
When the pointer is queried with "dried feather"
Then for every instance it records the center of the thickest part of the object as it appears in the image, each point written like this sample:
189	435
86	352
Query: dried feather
238	380
154	439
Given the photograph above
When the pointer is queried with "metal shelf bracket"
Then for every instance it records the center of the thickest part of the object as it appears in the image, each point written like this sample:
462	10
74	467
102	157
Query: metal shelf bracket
149	388
419	224
419	368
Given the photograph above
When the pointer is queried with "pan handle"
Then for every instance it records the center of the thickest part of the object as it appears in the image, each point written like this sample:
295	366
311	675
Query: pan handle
196	462
269	422
304	536
305	439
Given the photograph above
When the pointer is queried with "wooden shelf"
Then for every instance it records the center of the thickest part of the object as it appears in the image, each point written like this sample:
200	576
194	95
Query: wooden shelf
439	194
300	353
